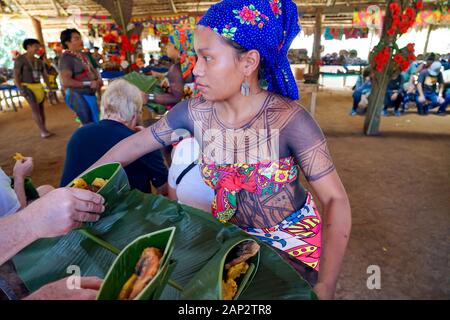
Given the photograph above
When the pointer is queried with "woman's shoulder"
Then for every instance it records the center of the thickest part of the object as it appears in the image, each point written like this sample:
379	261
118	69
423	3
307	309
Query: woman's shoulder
282	110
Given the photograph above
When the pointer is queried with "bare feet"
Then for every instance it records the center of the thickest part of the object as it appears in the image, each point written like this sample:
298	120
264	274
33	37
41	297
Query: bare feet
45	135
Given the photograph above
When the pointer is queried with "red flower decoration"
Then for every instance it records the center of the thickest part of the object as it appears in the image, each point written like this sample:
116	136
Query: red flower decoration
394	7
382	58
404	66
400	21
247	15
419	5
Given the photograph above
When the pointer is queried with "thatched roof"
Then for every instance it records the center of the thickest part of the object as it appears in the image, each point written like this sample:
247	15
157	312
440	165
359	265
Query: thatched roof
53	12
53	8
337	10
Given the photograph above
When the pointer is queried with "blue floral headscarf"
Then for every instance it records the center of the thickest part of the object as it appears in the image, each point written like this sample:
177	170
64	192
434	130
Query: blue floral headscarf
268	26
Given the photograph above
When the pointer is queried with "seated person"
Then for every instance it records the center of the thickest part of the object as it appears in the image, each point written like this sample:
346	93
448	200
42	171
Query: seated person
121	109
362	88
55	214
428	62
9	202
393	96
185	181
152	61
443	106
14	199
428	90
408	84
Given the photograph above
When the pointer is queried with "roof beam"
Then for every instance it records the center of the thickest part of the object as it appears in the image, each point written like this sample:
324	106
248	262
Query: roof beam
21	8
59	8
172	6
336	9
58	13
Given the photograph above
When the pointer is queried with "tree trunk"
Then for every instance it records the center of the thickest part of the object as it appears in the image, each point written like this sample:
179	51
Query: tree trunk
380	79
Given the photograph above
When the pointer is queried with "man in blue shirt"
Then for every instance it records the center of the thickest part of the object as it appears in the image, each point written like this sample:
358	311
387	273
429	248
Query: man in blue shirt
121	109
428	90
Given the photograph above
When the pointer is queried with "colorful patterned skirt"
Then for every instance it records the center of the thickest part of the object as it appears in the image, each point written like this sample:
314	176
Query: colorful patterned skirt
298	235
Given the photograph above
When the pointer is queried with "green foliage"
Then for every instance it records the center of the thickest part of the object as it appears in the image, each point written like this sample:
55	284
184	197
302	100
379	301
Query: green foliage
11	38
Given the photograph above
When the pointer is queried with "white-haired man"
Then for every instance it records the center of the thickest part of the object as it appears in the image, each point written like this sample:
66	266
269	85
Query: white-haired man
121	110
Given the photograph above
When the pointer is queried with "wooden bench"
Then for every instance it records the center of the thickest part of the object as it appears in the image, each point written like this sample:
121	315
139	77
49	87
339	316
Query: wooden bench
13	92
309	88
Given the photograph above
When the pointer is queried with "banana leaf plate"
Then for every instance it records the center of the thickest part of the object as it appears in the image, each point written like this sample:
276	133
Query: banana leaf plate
207	283
116	185
124	265
199	239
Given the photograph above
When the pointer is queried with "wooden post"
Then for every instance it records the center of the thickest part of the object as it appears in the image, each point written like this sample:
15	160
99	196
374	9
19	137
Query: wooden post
430	27
316	46
172	6
122	22
38	30
372	32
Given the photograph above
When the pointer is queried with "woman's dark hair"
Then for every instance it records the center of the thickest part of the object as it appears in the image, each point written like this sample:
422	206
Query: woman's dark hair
236	46
29	42
366	72
240	50
66	35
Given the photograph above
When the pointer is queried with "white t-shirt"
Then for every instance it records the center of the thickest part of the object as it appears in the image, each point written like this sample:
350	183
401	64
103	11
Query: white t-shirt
8	199
191	190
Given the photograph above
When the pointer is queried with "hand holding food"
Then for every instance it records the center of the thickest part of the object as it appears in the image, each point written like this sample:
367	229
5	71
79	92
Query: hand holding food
23	167
61	211
18	156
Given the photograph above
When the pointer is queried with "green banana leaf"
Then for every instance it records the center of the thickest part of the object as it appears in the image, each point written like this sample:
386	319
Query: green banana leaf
145	83
158	108
30	190
116	185
207	283
198	238
124	265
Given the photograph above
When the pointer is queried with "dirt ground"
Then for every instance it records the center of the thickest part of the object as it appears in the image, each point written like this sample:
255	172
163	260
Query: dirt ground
398	184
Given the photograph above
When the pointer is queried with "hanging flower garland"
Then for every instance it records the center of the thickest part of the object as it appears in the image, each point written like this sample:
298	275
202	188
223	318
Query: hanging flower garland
401	23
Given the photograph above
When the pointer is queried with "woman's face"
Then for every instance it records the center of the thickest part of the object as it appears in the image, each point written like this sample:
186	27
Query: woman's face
75	43
218	74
